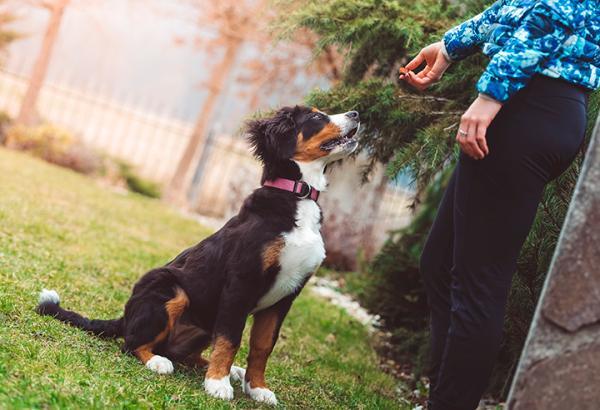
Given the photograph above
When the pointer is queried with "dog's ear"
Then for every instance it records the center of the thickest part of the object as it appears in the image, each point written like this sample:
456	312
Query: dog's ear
274	139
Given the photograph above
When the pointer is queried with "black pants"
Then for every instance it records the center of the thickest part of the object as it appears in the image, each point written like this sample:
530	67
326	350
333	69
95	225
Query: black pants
485	215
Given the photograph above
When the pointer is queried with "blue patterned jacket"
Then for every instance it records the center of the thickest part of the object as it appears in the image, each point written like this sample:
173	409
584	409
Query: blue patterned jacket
556	38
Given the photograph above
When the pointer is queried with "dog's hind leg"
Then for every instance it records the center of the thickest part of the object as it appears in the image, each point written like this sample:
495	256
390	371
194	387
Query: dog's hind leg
186	343
151	323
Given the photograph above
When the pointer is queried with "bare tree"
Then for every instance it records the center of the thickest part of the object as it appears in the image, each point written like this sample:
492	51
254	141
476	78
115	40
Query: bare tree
237	23
290	58
234	23
27	113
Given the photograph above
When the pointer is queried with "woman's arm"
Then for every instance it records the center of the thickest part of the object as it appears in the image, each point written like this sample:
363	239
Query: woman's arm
465	39
543	31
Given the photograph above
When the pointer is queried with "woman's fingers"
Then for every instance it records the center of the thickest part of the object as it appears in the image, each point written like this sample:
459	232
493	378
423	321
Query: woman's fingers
416	62
467	138
461	137
480	138
464	146
423	72
472	141
439	67
417	82
424	79
474	124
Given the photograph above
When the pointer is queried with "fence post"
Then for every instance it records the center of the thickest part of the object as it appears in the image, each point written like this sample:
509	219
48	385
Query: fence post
559	368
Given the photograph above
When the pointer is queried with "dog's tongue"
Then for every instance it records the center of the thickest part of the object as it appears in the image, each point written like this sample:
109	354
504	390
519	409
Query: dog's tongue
329	145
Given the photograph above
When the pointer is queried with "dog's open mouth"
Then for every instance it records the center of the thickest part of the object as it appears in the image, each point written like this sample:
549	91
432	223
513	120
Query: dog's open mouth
346	139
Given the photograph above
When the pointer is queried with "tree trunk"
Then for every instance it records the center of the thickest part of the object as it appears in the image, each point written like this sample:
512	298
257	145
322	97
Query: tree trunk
40	69
181	178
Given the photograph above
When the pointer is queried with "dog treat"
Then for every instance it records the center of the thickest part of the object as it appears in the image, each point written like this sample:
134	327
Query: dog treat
403	70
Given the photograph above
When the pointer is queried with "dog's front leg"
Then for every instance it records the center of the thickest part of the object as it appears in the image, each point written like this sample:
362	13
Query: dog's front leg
217	382
229	326
264	334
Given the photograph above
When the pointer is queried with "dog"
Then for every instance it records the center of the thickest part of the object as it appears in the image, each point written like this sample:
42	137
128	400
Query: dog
256	264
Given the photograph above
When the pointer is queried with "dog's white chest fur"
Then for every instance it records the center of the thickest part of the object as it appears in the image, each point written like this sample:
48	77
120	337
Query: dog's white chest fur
301	255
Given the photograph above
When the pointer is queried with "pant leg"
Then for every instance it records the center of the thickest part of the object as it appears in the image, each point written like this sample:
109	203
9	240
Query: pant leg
435	265
495	201
487	241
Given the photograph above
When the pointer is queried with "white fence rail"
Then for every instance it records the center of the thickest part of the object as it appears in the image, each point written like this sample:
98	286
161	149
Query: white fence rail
153	143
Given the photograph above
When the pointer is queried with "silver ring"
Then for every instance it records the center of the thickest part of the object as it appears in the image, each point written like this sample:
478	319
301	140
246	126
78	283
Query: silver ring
308	193
462	132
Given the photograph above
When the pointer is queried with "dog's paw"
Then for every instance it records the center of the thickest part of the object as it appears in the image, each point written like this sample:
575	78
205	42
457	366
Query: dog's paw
260	394
219	388
237	374
160	365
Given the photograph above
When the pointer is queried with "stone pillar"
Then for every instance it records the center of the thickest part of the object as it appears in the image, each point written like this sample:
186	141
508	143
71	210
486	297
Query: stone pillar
560	365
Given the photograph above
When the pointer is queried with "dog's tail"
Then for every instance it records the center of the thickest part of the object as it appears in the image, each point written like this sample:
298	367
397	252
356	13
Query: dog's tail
49	305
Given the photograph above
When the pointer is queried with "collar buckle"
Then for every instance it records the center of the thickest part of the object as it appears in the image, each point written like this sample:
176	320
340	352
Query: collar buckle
305	189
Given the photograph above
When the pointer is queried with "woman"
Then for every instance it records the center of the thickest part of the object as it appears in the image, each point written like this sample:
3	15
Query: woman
523	130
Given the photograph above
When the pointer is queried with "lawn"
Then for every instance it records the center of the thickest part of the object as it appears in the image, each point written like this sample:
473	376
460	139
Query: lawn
63	231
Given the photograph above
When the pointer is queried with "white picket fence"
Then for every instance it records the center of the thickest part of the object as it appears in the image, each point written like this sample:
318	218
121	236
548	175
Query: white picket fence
153	143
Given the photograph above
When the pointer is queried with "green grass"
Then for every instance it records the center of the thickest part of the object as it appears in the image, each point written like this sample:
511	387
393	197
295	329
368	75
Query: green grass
63	231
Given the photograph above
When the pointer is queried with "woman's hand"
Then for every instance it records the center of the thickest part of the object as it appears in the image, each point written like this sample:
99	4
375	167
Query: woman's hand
474	124
437	64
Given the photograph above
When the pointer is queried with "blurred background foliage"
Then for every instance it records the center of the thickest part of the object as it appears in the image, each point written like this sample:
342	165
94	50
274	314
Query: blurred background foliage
7	35
413	133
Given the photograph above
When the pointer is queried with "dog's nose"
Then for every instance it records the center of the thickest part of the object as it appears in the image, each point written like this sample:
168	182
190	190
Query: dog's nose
353	115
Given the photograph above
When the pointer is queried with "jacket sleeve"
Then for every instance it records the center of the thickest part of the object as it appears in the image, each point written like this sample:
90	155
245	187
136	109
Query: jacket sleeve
543	30
465	39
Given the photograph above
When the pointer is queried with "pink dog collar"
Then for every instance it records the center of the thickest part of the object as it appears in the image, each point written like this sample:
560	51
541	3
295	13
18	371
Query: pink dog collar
300	188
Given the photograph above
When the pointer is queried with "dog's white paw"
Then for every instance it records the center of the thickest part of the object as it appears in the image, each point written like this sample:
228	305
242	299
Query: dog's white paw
160	365
49	296
237	374
260	394
219	388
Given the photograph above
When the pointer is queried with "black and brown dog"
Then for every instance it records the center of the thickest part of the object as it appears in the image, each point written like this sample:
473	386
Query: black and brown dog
257	263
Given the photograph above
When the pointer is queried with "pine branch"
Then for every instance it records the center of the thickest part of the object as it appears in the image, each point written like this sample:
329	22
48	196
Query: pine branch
446	113
448	128
423	98
550	216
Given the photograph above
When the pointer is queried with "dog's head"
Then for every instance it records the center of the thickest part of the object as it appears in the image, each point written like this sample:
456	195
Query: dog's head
303	134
